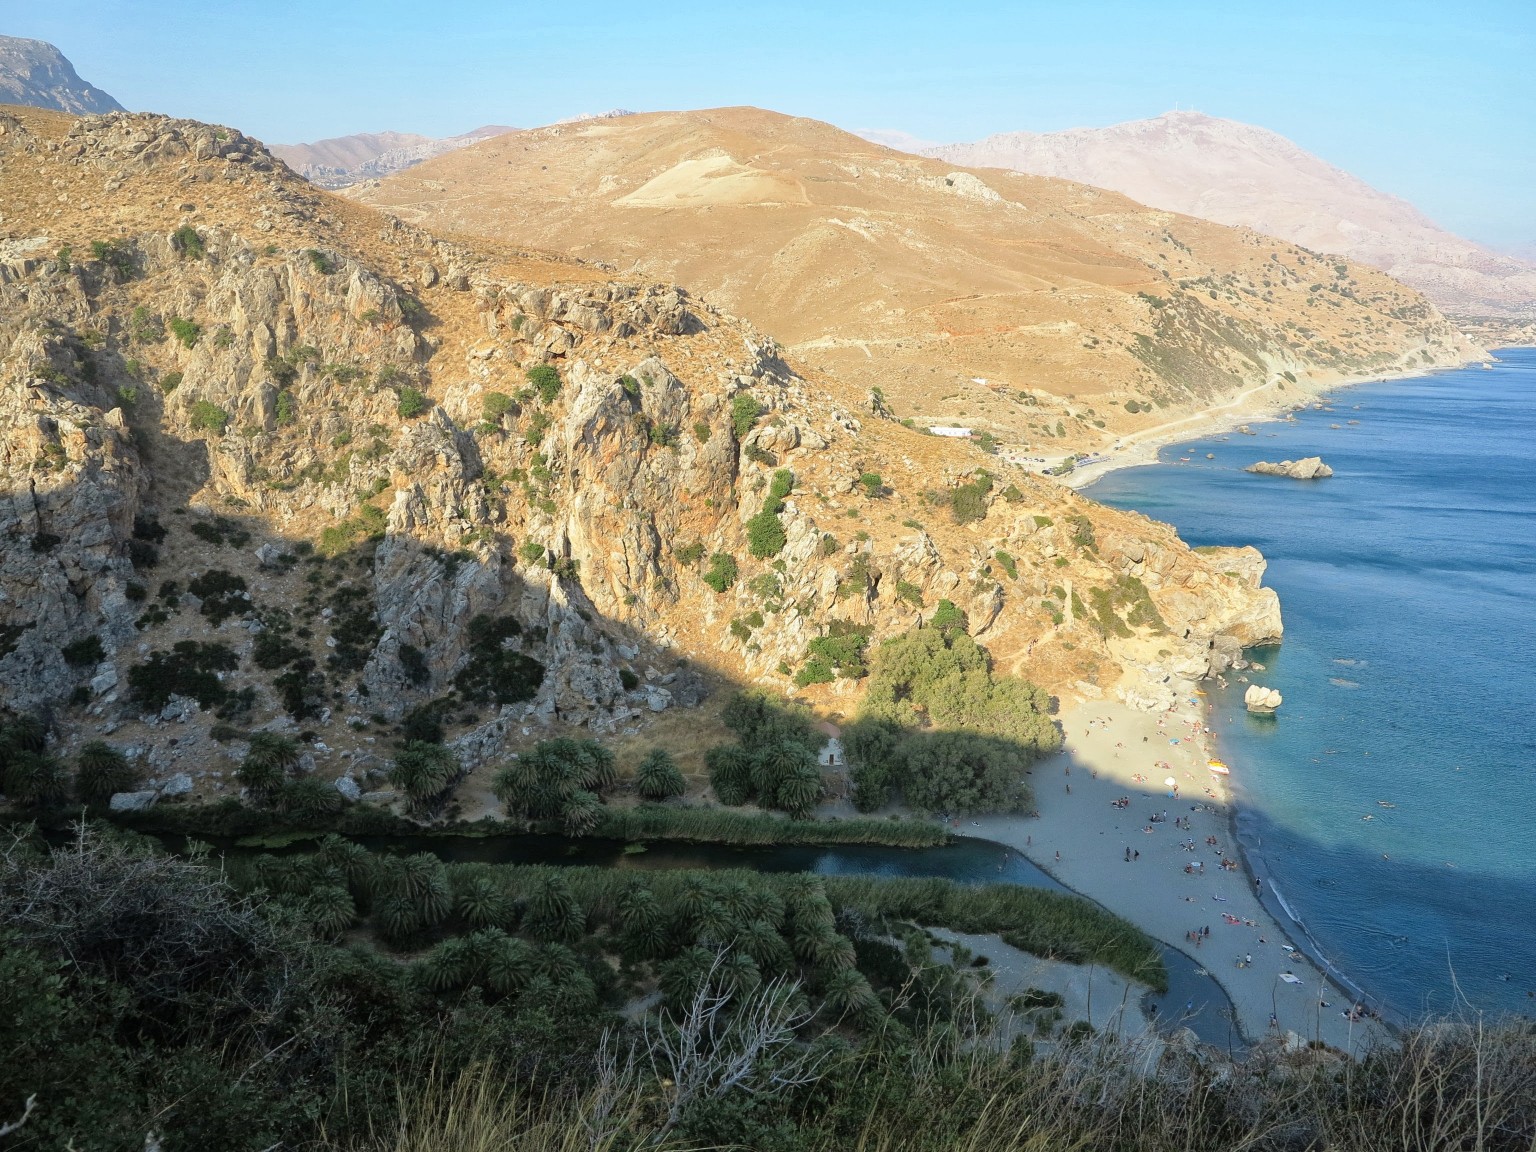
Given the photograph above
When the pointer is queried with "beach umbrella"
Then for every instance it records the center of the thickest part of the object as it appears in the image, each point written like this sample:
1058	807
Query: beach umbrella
1170	782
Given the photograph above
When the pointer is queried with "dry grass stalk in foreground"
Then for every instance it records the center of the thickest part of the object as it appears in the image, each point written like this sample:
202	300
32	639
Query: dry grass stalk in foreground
1447	1086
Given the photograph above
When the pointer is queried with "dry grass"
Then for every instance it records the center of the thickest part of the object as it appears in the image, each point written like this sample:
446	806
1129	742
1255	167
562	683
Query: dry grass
1448	1086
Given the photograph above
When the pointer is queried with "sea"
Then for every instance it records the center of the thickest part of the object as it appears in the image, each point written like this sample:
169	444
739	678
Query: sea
1392	798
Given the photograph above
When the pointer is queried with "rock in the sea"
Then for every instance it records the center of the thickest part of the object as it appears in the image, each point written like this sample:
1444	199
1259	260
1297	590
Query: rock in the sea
132	801
1261	699
348	787
1307	468
178	785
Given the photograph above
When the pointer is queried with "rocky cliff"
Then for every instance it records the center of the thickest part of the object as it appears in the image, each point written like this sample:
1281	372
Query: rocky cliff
382	470
35	73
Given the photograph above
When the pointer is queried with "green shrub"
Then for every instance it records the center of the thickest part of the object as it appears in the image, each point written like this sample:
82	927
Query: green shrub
287	407
208	417
938	725
85	652
871	482
968	502
170	381
546	379
722	572
495	673
701	433
910	593
495	405
188	242
628	679
532	553
1012	494
947	617
184	330
765	535
413	402
320	262
117	256
744	413
189	669
840	651
1008	564
1082	533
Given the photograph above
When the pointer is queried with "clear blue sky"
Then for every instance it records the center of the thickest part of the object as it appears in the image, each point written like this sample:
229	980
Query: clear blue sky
1434	101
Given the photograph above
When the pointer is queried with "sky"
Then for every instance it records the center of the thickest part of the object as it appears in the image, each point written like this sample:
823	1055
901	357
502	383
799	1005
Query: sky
1432	101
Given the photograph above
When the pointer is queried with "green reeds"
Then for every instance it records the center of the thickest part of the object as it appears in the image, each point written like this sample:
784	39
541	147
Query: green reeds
718	826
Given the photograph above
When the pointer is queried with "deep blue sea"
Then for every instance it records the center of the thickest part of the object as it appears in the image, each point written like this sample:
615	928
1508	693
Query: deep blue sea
1393	798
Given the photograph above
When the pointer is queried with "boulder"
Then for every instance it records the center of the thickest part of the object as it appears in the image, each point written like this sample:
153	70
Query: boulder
1261	699
178	785
180	709
267	556
1307	468
348	787
132	801
104	681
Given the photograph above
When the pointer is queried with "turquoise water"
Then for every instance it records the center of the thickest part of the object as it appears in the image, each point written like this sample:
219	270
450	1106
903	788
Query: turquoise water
1408	586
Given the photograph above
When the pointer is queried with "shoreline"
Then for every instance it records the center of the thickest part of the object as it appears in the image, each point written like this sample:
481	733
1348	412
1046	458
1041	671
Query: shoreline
1079	838
1142	448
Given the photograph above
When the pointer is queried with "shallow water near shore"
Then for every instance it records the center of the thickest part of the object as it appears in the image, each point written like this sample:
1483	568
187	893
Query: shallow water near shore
1390	800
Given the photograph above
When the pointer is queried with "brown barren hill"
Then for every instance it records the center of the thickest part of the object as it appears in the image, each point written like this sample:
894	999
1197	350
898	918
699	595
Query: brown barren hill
1034	308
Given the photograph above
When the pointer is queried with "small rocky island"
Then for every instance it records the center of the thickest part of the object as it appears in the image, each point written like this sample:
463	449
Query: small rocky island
1308	468
1261	699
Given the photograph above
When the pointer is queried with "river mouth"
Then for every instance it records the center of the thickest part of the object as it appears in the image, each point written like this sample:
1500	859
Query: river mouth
1194	999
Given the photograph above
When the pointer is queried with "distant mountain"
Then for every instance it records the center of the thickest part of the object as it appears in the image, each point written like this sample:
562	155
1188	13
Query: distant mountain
1243	175
896	138
35	73
345	160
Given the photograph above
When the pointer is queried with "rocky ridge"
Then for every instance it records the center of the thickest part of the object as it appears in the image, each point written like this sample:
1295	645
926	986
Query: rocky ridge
1051	317
213	375
35	73
344	160
1245	175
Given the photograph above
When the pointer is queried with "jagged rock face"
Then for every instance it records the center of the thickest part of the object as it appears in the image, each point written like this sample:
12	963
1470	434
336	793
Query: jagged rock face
245	380
35	73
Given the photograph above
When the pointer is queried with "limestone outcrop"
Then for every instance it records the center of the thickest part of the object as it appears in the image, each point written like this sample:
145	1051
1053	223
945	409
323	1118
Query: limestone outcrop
1260	699
1307	468
325	452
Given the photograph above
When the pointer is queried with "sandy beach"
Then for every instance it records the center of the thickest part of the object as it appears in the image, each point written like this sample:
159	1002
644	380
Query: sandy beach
1260	403
1174	884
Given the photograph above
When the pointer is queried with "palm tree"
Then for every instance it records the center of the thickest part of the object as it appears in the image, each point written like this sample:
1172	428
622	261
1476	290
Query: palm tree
729	773
714	925
273	751
808	938
849	994
681	977
738	973
32	778
799	789
101	771
836	954
309	798
354	861
658	776
761	941
638	907
331	910
396	916
556	962
449	965
594	766
553	913
508	965
697	894
482	904
424	772
583	812
763	903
